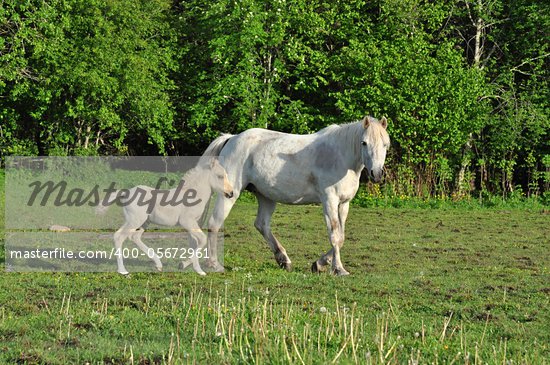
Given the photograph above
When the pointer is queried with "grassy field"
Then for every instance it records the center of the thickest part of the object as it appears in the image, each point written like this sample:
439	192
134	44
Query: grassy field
427	286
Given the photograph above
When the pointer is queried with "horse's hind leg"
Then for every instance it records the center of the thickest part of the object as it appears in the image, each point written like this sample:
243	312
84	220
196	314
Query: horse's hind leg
266	207
136	238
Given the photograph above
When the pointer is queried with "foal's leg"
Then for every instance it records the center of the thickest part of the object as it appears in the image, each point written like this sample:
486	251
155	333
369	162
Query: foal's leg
200	239
119	237
197	241
266	207
136	238
135	218
335	231
326	259
222	208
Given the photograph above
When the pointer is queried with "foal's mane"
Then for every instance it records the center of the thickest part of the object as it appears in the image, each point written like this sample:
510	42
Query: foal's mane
193	175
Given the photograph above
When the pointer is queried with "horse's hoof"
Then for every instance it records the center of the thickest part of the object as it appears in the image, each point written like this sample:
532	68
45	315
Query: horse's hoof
124	273
315	268
218	268
215	266
286	265
340	272
159	269
201	273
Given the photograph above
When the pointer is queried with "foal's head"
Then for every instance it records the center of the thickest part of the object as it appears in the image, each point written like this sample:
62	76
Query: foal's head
374	144
218	179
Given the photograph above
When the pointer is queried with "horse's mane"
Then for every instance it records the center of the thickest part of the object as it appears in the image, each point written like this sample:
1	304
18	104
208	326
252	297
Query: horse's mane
348	133
378	134
345	128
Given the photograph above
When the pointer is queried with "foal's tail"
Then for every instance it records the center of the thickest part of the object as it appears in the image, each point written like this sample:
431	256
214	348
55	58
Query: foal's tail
104	204
101	209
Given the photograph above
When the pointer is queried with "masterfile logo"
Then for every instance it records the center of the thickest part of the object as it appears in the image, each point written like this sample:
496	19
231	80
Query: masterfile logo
127	214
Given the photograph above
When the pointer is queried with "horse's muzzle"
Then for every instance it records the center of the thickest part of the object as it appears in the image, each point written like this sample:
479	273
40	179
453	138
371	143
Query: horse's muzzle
229	195
376	176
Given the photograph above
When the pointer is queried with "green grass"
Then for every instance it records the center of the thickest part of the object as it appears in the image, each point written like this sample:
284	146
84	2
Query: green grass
455	286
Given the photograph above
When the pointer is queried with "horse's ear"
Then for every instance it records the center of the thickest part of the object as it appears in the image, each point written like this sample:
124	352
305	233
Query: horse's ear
366	121
384	122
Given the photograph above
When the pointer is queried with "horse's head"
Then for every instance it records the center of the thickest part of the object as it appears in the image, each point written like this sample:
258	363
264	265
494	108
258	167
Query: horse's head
374	144
219	180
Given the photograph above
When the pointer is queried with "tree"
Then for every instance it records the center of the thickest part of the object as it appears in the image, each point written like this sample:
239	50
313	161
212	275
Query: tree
80	77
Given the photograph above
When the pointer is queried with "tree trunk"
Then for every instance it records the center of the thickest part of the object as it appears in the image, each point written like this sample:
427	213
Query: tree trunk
459	188
478	52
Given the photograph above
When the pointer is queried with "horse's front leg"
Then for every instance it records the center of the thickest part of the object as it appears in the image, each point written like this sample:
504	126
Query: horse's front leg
335	218
326	259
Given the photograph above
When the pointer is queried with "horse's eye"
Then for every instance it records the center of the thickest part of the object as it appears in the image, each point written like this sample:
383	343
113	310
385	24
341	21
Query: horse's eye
363	143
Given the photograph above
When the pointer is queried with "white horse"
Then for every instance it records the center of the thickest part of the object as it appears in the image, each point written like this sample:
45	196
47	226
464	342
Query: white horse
323	167
161	208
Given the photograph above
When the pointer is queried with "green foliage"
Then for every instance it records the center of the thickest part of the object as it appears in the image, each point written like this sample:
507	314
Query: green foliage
430	97
464	84
82	77
372	197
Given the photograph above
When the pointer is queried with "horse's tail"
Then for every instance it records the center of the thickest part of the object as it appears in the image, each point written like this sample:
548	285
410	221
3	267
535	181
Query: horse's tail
104	204
215	148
